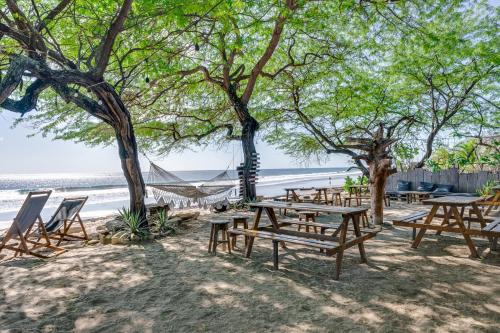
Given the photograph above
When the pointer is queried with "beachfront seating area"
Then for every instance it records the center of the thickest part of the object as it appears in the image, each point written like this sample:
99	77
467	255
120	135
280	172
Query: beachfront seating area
301	264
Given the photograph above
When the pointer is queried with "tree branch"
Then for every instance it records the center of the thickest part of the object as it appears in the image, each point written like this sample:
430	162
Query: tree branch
104	50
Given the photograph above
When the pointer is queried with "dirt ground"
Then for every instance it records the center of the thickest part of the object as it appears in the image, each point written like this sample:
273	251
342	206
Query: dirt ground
174	285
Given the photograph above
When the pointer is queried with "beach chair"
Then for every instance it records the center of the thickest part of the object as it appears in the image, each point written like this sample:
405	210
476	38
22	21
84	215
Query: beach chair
68	212
19	237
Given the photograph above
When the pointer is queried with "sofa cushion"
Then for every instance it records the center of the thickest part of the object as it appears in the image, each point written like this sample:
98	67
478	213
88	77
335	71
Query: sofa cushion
443	188
426	187
403	185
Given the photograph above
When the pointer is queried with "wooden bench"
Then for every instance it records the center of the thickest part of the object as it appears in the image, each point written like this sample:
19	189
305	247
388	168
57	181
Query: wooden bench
359	199
323	226
328	246
408	219
493	229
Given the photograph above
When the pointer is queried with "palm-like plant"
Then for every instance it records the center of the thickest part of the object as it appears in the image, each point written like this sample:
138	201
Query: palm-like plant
134	223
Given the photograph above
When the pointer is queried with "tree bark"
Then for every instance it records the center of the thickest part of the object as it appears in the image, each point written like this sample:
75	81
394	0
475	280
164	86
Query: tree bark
379	171
247	142
249	127
127	148
428	148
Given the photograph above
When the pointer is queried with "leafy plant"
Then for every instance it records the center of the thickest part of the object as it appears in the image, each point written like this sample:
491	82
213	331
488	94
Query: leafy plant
162	222
486	189
404	154
360	180
348	181
134	224
162	219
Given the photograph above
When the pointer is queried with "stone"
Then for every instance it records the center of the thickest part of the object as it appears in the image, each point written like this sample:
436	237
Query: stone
175	220
114	225
102	229
120	238
186	216
93	242
105	239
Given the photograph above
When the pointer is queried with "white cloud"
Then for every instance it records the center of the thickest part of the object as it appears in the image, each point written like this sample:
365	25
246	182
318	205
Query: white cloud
1	139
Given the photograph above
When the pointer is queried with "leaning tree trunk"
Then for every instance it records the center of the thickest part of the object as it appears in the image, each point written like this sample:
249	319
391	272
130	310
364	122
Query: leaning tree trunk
379	171
127	147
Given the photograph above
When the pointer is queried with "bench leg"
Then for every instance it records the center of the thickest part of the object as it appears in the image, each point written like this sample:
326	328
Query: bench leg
216	239
494	243
275	254
357	231
228	238
210	242
340	253
414	234
422	231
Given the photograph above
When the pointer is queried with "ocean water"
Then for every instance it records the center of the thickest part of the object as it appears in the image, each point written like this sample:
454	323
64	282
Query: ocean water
108	192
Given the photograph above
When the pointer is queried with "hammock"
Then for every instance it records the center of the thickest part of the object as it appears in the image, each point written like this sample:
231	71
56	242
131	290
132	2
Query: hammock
178	193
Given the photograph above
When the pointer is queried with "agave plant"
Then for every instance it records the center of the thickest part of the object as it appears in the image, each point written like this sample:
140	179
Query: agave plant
162	222
133	223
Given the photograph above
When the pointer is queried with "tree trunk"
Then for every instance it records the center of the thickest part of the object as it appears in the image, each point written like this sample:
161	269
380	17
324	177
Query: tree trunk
247	142
249	127
127	148
379	171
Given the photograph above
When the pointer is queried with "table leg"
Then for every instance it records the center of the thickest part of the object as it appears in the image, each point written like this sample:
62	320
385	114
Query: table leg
422	231
446	219
255	226
357	232
286	200
496	199
468	240
340	253
274	221
479	215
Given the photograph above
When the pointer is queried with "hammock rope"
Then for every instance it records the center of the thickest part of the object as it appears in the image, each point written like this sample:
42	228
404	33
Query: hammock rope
169	189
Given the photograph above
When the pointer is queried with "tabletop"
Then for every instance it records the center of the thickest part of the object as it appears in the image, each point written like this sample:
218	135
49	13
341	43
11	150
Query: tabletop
454	200
310	207
299	189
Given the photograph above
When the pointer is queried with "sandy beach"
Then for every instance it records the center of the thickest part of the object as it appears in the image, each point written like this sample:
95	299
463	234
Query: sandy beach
174	285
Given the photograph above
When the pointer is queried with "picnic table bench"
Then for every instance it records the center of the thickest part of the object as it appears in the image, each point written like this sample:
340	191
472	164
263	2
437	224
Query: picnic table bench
412	218
334	244
450	205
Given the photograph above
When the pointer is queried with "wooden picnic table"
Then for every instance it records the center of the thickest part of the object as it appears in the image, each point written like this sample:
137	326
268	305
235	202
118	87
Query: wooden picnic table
415	196
450	206
356	191
349	215
319	197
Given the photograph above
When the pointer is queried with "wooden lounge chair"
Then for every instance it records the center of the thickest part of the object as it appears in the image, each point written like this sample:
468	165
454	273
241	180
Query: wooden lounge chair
68	212
20	234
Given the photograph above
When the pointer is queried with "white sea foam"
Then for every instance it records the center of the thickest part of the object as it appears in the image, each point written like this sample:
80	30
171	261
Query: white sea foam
107	192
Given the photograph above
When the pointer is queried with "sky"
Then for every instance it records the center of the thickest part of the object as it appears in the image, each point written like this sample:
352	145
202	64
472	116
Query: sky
20	154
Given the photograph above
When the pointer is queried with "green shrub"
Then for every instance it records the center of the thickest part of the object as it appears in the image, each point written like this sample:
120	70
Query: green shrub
348	181
136	226
486	189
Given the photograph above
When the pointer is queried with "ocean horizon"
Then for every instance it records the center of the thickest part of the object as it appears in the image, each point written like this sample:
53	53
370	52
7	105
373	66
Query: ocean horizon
108	192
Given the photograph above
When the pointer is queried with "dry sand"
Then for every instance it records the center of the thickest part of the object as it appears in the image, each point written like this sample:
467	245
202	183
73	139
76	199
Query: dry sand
174	285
